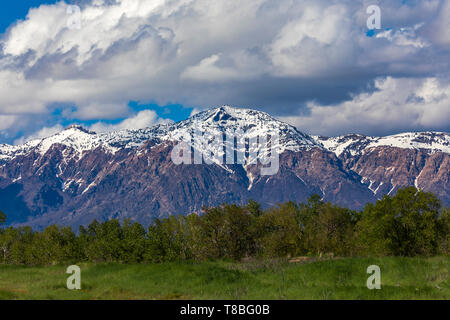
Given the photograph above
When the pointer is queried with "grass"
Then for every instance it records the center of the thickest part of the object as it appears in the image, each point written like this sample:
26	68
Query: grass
401	278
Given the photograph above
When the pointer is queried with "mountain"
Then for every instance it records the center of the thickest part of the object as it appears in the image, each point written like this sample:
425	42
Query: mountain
77	175
419	159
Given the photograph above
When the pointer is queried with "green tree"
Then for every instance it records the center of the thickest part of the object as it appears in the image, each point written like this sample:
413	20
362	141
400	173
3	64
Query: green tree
45	247
167	240
280	231
2	217
404	225
226	232
133	243
254	208
239	238
104	241
15	244
444	231
329	230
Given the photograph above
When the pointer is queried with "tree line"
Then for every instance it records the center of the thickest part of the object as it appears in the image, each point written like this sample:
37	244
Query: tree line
410	223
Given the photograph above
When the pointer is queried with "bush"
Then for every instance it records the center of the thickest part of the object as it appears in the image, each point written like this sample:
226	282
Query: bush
411	223
2	217
279	231
403	225
444	231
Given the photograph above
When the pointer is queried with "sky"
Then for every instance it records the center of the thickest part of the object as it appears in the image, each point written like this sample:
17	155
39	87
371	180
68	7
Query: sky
118	64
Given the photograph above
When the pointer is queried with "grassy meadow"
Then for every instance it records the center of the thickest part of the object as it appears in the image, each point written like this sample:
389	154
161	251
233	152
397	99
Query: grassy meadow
402	278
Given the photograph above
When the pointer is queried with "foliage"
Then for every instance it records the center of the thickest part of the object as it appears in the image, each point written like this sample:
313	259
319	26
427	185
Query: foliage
411	223
2	217
406	224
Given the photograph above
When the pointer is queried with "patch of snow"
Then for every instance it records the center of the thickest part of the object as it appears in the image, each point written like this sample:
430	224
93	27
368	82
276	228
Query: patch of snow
433	141
376	190
358	144
392	189
416	181
216	122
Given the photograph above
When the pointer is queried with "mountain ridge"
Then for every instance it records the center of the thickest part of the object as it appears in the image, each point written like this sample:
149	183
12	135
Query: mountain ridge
427	140
128	138
77	175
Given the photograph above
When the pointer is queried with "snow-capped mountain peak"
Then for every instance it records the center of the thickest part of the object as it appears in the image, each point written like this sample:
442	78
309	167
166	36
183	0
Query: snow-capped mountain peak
244	124
227	113
77	127
77	175
356	144
225	120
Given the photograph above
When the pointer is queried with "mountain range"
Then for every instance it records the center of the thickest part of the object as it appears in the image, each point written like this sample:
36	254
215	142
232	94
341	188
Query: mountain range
76	175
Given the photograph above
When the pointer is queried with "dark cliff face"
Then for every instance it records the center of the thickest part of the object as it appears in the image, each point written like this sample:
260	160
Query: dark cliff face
387	164
309	172
144	184
75	182
386	169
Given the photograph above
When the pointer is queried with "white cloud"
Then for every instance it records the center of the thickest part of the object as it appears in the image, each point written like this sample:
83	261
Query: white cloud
194	112
438	30
99	111
43	133
321	34
404	37
141	120
404	104
277	54
207	70
6	121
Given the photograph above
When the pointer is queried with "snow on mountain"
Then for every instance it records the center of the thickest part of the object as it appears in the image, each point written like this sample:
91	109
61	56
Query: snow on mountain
353	143
215	122
356	144
433	141
244	124
121	176
8	152
79	139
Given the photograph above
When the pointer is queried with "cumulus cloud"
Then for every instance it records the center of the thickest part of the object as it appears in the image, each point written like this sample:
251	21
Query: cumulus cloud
281	56
402	103
141	120
42	133
404	37
320	34
6	121
240	66
194	112
438	29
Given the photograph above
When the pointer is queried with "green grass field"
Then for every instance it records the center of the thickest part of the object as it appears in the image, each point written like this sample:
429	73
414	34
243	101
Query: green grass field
402	278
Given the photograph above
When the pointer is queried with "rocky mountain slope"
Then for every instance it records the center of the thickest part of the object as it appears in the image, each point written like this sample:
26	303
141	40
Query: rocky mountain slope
419	159
76	175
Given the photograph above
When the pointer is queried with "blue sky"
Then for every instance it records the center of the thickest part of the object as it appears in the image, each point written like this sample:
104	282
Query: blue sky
11	11
312	63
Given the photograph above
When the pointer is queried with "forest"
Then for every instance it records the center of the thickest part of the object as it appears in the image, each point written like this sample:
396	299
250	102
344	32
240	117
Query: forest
410	223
